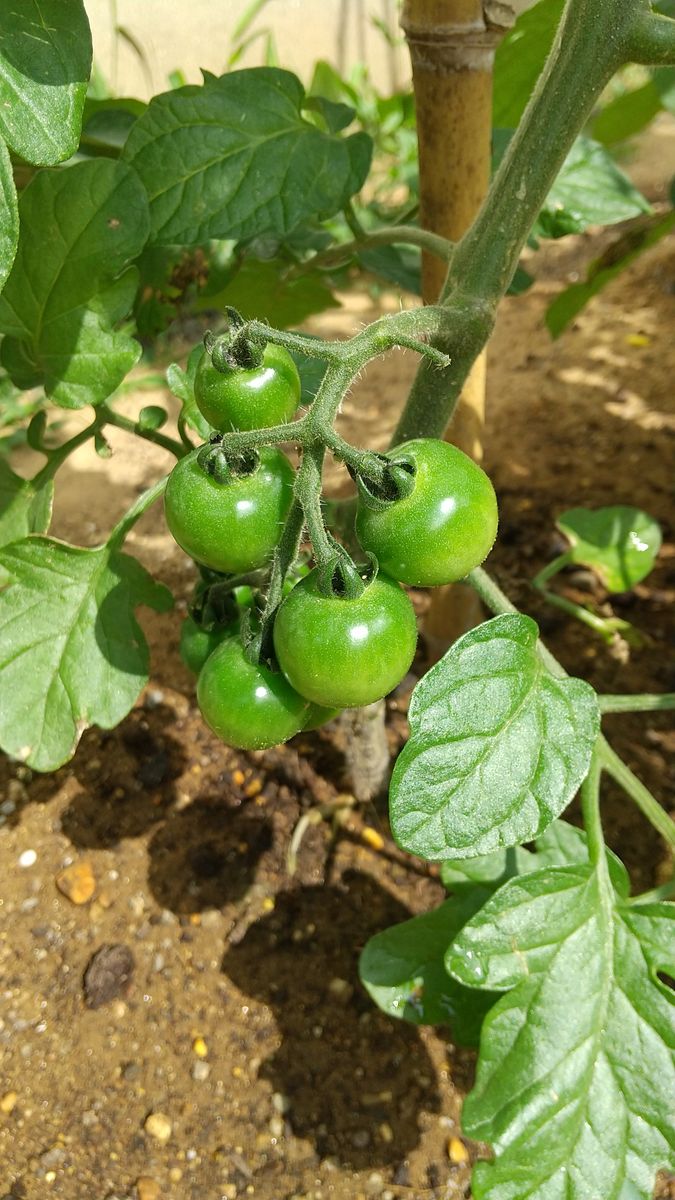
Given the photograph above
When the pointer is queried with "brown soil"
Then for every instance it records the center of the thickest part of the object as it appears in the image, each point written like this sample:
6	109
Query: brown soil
305	1089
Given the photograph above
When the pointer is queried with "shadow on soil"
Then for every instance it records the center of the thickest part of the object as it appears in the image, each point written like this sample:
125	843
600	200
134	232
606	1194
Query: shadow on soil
355	1081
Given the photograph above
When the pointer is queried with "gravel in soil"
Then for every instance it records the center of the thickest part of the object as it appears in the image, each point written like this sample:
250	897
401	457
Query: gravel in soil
223	1046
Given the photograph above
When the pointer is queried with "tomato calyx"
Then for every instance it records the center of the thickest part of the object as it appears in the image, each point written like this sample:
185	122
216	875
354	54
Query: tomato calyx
223	465
340	578
235	349
385	480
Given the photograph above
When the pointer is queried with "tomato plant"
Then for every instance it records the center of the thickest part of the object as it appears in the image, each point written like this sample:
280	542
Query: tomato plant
539	950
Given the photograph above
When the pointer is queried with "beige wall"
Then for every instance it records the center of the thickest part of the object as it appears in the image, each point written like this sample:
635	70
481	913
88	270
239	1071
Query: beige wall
189	34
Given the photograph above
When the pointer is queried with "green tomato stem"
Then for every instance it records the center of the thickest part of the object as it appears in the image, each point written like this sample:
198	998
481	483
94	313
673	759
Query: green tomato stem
497	602
409	235
58	456
590	809
607	627
552	569
132	515
110	417
633	787
640	702
652	40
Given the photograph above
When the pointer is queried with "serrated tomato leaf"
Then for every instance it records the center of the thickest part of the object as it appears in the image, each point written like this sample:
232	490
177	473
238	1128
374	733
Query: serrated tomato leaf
24	508
66	294
243	160
402	969
9	215
71	651
45	60
576	1076
498	746
619	542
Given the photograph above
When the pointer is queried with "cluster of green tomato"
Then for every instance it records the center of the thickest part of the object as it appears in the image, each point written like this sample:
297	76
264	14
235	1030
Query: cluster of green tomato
335	646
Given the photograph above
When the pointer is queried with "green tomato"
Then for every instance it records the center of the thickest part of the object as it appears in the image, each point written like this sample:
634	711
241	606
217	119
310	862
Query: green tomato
444	528
197	644
248	707
234	526
342	653
249	399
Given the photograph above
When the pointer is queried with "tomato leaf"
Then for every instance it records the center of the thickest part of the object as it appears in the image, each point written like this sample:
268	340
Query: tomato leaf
519	60
45	60
71	651
611	263
620	543
576	1076
498	746
589	190
65	295
403	970
181	384
243	160
9	215
24	508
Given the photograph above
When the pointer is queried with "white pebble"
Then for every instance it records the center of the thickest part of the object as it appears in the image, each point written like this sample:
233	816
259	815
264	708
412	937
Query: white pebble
28	858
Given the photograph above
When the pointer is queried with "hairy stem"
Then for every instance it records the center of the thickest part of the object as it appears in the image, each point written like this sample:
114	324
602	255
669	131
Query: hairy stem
409	235
110	417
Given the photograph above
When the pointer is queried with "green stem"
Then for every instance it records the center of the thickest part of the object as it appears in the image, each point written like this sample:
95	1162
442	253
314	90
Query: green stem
648	805
552	569
640	702
653	40
497	602
607	627
284	557
58	456
133	514
110	417
409	235
590	809
350	215
308	491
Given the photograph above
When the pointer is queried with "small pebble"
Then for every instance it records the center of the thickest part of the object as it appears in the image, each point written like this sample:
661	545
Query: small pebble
276	1127
108	974
158	1126
147	1188
8	1102
200	1048
457	1151
28	858
77	882
201	1072
280	1103
341	990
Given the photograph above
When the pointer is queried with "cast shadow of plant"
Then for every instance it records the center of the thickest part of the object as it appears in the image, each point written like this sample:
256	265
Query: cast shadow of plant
127	777
355	1080
205	856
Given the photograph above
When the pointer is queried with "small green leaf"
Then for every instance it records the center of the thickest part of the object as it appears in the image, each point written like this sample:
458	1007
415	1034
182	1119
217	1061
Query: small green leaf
402	969
626	115
619	542
243	160
613	261
152	417
45	60
24	508
80	226
71	651
182	385
335	116
9	216
589	190
519	60
576	1077
498	746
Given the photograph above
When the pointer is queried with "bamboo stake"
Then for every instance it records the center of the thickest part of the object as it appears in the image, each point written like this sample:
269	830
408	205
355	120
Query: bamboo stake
452	45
